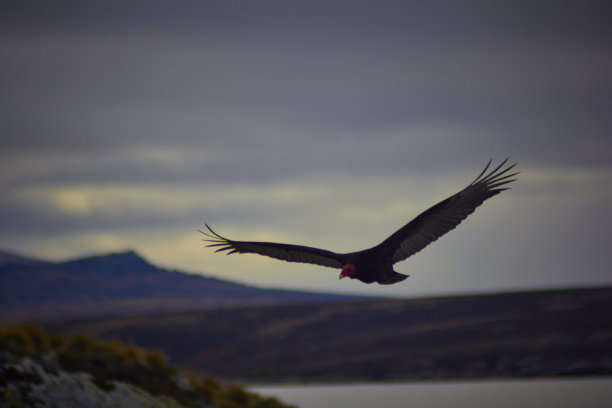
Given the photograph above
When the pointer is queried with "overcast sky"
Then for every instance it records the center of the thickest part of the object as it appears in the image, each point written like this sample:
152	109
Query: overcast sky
128	124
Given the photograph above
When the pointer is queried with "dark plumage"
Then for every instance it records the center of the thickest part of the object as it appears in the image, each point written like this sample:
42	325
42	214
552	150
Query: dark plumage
376	264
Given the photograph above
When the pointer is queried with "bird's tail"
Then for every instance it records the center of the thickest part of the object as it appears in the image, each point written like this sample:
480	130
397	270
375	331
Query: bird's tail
391	278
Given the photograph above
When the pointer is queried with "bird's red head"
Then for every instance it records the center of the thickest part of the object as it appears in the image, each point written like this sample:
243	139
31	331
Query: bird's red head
347	270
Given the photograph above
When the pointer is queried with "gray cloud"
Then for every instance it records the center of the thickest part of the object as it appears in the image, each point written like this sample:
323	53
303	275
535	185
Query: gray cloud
107	76
178	101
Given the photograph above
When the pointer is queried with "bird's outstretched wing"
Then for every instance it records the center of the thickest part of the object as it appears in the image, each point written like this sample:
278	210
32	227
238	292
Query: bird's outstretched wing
447	214
284	252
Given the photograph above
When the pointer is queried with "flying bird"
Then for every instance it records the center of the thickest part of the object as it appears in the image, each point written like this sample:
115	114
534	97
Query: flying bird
376	264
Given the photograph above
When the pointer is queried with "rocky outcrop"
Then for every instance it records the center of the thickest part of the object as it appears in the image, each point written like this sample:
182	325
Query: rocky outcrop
42	384
42	371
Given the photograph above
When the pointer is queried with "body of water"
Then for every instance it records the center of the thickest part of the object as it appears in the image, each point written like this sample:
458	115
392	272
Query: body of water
541	393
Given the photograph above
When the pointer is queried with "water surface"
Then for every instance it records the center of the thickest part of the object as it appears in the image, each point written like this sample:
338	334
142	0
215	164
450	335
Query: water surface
542	393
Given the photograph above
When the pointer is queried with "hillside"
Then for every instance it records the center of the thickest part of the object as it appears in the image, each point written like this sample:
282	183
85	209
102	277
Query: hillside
546	333
274	335
119	284
37	370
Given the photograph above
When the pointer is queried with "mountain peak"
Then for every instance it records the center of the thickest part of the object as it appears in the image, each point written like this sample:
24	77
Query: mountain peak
113	263
129	255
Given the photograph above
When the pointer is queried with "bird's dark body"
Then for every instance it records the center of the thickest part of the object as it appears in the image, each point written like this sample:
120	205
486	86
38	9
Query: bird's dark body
376	264
372	265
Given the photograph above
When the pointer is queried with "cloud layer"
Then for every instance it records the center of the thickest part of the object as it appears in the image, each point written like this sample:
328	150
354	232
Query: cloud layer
328	124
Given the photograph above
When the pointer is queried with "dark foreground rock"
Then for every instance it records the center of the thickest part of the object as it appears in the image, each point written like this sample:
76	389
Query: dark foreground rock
29	383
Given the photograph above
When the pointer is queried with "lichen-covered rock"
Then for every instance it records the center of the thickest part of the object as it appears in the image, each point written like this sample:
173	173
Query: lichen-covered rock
27	384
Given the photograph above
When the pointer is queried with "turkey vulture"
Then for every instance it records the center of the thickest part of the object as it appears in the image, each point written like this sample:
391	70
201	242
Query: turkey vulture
376	264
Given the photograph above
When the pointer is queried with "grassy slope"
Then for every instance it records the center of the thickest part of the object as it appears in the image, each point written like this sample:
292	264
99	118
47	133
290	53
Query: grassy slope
564	332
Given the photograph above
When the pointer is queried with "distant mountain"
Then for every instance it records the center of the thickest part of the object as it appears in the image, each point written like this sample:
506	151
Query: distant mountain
119	284
12	258
312	337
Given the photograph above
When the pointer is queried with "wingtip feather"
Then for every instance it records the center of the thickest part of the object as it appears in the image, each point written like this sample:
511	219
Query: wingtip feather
482	172
496	177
